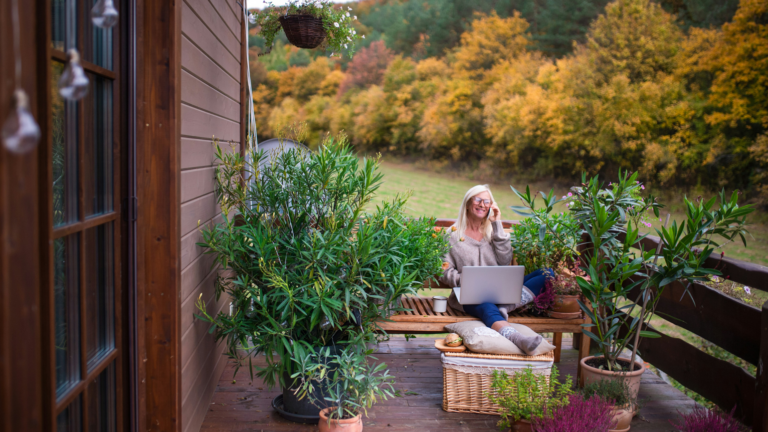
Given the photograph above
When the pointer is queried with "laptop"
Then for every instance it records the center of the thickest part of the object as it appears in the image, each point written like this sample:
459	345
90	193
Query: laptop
492	284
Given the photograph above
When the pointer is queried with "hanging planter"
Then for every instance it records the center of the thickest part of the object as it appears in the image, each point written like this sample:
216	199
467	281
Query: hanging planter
309	24
303	31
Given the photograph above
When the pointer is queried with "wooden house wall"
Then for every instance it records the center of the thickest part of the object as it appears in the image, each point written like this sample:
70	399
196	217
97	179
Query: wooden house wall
210	107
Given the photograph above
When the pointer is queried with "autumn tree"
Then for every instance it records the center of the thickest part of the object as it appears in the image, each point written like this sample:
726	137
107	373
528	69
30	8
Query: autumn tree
367	67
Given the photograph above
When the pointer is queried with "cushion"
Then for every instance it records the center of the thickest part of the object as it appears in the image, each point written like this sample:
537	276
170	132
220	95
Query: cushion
543	348
481	339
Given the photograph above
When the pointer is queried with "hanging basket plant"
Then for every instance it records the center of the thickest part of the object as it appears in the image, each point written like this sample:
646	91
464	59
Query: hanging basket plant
309	24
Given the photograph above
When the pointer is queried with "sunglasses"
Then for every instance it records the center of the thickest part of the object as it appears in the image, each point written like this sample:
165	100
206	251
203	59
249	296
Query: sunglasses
478	200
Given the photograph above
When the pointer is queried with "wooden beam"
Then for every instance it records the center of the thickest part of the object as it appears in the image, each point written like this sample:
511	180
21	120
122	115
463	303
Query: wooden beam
22	405
244	99
158	129
760	415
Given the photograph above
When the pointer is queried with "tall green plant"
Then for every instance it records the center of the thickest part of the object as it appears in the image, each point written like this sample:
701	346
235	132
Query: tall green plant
620	268
304	265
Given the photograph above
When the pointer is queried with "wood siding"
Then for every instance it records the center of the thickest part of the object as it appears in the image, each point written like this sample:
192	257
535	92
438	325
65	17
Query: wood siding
210	107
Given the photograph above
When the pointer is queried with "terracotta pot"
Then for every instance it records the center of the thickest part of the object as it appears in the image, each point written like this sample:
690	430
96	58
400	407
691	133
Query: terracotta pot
622	417
521	426
566	304
591	374
354	424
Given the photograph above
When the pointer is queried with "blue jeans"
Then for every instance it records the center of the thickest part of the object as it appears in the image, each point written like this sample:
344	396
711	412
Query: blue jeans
489	312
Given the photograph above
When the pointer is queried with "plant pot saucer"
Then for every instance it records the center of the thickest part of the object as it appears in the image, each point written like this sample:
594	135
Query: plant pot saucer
565	315
277	405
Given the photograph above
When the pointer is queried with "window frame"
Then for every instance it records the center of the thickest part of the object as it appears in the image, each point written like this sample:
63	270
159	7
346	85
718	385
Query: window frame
54	404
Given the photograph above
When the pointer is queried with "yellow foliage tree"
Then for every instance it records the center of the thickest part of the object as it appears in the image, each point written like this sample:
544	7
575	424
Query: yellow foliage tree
490	40
308	80
737	59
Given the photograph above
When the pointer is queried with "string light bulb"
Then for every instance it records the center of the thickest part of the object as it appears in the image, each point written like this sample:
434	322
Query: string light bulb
20	132
251	17
73	84
104	14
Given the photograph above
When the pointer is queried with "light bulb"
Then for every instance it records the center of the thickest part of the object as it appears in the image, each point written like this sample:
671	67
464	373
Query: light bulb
73	84
251	18
20	131
104	14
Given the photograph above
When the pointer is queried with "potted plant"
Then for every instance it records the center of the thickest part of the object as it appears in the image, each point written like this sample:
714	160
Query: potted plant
566	291
351	385
309	24
303	264
525	395
579	415
623	405
620	268
535	246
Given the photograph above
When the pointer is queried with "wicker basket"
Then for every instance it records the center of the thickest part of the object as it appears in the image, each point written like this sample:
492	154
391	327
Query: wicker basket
303	31
465	387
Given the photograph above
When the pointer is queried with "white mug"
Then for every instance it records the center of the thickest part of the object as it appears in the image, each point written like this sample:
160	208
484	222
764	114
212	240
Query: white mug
439	304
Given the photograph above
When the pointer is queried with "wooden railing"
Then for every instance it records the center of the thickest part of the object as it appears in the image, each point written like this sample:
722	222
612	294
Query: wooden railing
735	326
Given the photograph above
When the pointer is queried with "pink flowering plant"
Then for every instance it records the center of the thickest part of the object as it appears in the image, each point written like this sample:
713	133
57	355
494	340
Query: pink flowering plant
702	419
594	414
337	22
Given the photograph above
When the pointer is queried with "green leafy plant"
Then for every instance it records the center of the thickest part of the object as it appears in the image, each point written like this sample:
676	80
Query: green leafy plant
348	382
543	239
527	394
620	268
337	23
303	263
615	391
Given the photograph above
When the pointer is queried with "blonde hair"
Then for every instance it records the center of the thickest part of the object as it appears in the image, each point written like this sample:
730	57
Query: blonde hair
461	221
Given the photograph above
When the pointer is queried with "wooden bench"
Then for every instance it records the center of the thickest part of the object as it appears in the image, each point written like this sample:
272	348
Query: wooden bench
422	319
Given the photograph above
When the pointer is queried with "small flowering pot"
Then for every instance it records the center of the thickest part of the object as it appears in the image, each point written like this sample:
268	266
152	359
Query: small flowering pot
355	424
622	417
521	426
566	304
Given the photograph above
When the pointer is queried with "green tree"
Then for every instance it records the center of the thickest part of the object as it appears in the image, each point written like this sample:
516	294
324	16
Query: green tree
299	58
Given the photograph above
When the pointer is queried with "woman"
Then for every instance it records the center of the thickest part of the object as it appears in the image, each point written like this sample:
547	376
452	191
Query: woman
478	239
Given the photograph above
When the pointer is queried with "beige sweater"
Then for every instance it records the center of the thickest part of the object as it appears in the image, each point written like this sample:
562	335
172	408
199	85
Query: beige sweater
470	252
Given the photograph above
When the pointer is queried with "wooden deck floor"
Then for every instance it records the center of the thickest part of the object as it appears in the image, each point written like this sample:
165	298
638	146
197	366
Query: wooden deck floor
245	406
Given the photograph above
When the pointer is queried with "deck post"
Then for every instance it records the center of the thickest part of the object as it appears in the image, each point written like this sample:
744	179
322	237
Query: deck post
760	419
557	341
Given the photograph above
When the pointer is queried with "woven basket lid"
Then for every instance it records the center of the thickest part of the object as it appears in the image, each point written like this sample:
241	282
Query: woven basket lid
548	357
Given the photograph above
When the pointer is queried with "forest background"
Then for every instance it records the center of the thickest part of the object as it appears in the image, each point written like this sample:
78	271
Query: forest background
675	89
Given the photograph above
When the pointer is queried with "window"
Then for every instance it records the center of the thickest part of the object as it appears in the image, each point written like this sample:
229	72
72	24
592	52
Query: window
83	334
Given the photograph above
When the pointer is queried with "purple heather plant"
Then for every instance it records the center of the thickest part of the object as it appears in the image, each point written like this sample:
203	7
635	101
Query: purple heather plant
591	415
543	302
704	420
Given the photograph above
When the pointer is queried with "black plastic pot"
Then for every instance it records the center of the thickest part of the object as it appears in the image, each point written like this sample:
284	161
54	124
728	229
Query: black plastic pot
303	408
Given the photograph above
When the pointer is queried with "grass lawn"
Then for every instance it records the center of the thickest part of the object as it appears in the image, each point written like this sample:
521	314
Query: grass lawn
440	194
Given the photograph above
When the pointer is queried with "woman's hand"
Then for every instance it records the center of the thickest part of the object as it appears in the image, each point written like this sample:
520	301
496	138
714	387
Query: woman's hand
495	213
